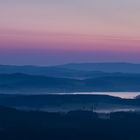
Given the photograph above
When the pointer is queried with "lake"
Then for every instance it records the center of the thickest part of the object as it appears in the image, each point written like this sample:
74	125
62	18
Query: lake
126	95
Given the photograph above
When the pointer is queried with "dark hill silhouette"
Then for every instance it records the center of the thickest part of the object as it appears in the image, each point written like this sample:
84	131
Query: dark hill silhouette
65	103
36	84
76	125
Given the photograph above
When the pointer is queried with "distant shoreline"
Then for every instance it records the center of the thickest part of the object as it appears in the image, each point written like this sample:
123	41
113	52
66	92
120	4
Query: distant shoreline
123	95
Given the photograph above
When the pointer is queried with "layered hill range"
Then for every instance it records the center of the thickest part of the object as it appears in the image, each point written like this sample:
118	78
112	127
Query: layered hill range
82	77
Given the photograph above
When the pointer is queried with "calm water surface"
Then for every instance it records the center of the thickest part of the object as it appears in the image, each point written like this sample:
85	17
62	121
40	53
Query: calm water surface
126	95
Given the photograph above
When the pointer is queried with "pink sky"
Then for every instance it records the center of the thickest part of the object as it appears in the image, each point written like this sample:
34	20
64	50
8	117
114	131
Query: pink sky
92	30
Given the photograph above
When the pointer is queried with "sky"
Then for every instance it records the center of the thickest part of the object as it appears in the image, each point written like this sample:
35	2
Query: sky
50	32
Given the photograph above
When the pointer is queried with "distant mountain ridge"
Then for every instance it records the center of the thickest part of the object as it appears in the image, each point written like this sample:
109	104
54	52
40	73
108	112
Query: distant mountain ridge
32	84
85	77
104	67
98	67
49	71
74	71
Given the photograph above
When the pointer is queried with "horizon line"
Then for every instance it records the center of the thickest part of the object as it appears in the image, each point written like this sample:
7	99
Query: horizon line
69	63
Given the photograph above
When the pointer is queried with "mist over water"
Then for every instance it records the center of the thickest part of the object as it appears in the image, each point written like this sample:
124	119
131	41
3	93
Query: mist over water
125	95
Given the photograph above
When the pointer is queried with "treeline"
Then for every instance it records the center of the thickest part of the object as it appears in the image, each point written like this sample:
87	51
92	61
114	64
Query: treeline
75	125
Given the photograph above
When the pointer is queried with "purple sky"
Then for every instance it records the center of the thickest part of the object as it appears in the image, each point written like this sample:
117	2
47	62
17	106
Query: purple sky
49	32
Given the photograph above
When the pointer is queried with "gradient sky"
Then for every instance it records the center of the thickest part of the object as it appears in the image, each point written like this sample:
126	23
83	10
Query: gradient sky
48	32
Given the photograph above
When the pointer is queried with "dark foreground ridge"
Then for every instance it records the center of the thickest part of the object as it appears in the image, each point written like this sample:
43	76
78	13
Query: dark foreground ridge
65	103
76	125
